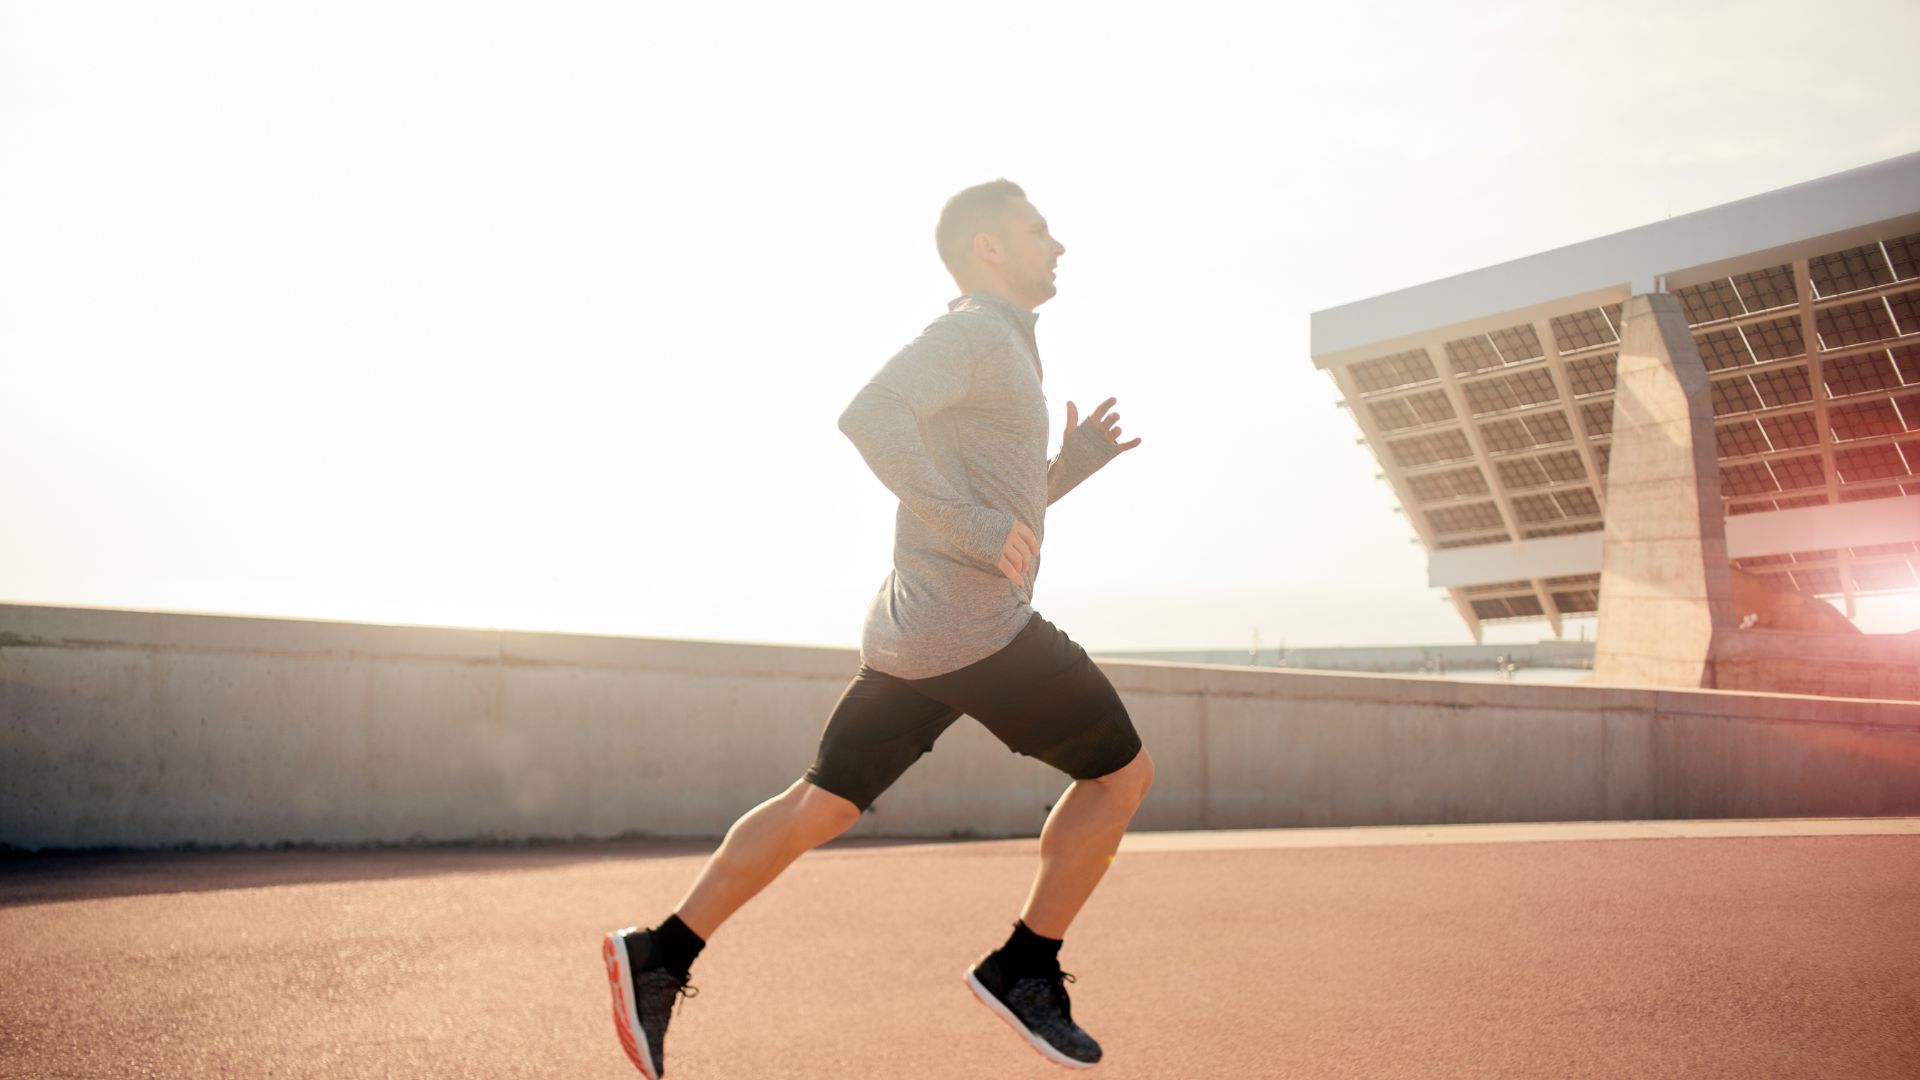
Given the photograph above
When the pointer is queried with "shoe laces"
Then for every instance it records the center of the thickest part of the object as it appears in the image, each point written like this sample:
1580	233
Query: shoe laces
685	991
1058	980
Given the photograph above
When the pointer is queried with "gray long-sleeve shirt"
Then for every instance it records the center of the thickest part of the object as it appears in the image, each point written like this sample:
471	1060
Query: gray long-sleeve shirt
956	426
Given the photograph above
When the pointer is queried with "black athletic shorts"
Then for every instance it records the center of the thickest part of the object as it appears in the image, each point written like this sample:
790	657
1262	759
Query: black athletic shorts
1040	695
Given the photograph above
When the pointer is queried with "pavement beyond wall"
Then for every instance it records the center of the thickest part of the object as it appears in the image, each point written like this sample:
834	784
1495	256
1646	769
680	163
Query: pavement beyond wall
140	729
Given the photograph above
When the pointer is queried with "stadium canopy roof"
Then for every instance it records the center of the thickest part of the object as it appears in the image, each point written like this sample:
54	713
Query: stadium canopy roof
1488	397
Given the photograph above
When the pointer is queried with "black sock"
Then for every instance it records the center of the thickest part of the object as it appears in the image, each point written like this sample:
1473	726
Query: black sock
675	947
1028	951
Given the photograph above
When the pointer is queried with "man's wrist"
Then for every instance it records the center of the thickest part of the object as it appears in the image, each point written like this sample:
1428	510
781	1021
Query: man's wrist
994	527
1089	445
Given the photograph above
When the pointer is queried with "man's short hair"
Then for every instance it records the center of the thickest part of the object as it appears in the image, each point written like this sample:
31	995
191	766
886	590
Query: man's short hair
970	212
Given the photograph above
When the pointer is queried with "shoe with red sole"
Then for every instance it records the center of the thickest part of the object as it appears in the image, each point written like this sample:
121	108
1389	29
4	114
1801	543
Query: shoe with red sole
643	998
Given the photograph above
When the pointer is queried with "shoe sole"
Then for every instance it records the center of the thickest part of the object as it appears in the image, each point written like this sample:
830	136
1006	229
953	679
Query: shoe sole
626	1018
1041	1046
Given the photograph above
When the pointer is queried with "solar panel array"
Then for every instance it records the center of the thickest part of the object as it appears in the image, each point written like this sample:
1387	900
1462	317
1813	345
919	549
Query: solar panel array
1814	379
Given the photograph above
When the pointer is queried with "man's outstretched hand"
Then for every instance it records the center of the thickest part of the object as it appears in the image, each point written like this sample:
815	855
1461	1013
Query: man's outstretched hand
1107	422
1019	553
1021	547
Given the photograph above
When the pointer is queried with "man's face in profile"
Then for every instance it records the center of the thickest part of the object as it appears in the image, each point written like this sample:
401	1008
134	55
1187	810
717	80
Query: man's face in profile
1031	253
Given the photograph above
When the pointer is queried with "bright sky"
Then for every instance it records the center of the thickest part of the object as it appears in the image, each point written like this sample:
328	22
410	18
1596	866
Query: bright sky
541	315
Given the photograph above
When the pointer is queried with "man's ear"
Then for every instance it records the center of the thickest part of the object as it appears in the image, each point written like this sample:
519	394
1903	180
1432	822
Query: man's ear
986	248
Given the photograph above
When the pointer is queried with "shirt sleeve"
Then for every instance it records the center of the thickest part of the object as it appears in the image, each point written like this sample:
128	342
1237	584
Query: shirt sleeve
1085	449
934	372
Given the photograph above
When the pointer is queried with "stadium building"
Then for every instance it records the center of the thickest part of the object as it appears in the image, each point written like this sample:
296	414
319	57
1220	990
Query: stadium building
1701	430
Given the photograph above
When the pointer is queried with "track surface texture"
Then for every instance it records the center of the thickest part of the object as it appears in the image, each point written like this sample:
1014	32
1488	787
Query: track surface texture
1537	956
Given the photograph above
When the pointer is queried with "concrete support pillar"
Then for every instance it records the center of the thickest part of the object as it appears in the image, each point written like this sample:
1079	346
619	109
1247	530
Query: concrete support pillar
1666	591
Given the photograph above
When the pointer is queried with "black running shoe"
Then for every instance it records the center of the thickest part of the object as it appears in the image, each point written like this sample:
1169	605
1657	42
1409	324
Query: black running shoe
643	998
1035	1005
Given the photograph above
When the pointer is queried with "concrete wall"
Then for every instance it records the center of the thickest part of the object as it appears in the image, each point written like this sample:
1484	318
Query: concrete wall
125	728
1831	665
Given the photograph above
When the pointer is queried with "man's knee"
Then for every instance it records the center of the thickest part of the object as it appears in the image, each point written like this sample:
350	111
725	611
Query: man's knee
821	809
1135	778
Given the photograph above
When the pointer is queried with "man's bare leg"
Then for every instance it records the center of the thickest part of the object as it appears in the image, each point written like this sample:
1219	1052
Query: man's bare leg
1021	981
1078	841
764	842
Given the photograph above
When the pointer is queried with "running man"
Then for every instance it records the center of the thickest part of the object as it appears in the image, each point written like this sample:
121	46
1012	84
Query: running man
955	425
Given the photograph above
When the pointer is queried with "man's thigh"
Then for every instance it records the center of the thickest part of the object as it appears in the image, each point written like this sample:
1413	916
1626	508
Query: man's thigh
880	726
1043	697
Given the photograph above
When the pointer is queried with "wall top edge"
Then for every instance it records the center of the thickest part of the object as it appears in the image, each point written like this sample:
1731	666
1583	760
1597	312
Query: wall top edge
42	626
30	627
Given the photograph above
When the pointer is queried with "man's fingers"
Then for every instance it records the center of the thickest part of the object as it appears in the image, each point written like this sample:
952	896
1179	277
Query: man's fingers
1129	445
1104	406
1112	419
1073	417
1017	554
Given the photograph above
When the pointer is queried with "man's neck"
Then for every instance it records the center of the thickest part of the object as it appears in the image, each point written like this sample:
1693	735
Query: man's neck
1000	292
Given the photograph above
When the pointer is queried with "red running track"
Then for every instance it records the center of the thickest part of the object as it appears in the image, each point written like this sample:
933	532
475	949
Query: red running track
1702	957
